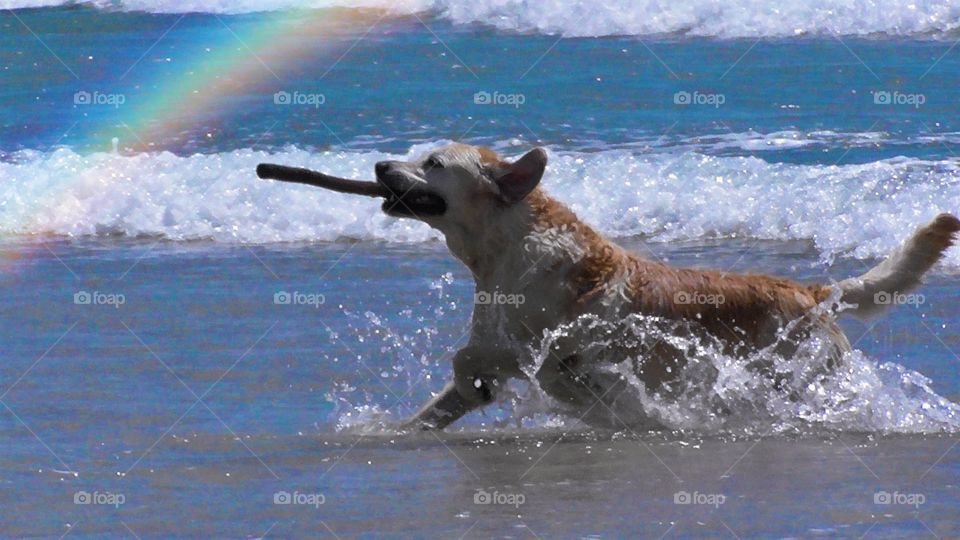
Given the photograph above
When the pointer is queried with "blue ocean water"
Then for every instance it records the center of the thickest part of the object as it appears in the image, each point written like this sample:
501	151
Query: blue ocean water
407	82
805	142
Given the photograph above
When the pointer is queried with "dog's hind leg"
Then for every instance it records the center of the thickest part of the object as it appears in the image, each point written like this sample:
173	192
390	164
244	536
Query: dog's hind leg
593	392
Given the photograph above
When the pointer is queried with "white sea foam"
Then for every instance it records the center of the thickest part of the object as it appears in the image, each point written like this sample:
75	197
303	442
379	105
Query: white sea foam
863	210
737	18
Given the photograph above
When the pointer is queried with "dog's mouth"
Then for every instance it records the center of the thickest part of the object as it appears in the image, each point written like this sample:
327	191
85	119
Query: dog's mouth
404	197
407	199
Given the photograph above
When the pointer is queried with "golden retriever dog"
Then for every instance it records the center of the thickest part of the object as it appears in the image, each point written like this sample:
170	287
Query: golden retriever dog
538	267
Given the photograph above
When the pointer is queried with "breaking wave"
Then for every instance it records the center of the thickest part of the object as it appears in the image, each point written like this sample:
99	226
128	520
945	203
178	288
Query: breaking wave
735	19
860	210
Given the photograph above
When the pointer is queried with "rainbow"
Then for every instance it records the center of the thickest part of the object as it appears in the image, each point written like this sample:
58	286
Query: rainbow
252	54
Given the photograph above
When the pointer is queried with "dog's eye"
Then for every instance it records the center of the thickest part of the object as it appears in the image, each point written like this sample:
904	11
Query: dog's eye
432	163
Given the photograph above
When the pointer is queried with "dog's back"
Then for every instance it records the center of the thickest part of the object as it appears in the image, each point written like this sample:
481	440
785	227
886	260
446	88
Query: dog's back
604	272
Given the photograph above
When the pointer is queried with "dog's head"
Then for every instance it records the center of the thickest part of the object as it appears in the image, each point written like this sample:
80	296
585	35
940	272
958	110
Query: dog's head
458	186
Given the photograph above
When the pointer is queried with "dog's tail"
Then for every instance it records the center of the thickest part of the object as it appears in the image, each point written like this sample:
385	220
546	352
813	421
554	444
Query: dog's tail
901	271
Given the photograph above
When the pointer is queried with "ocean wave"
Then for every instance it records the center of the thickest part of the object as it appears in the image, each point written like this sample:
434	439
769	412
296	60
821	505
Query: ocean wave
860	210
580	18
756	142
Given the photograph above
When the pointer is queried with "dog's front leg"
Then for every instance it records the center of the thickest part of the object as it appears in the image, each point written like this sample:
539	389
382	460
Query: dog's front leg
445	408
476	374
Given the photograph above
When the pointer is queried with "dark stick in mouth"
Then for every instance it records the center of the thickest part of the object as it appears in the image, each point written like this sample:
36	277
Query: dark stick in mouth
313	178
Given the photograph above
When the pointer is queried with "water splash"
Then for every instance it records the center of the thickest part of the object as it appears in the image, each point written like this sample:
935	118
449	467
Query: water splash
716	392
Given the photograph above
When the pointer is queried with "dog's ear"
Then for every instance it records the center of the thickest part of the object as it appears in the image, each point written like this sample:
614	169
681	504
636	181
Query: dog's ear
520	177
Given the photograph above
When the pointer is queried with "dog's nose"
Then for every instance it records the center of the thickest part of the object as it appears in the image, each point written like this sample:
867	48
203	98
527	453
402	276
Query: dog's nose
382	167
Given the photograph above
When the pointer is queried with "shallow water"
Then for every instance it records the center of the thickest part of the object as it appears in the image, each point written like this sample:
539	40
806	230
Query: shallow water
286	406
580	487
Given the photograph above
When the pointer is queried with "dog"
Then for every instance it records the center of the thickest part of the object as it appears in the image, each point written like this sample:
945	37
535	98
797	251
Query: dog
518	242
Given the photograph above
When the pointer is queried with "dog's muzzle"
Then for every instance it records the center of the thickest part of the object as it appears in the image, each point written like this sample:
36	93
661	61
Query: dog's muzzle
407	197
